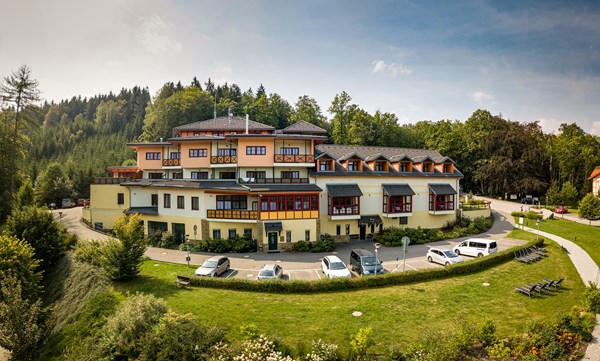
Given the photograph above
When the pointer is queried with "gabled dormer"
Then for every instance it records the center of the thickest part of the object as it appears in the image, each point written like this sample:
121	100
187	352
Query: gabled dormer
378	162
402	163
325	162
424	164
444	165
352	162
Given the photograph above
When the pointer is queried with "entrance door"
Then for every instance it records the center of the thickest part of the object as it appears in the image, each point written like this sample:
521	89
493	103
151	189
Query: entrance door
272	236
363	231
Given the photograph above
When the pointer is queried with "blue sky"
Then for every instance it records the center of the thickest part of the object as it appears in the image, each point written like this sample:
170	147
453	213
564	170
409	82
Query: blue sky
422	60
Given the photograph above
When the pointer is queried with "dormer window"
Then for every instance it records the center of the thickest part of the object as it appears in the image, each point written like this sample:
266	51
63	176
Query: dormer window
381	166
427	167
353	166
325	165
447	168
405	167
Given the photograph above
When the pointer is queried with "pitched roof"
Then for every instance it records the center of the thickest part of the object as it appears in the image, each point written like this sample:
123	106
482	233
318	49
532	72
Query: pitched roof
344	190
303	127
338	151
224	123
397	189
441	189
595	173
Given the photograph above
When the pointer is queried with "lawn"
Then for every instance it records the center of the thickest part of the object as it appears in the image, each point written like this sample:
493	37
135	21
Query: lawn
396	314
587	237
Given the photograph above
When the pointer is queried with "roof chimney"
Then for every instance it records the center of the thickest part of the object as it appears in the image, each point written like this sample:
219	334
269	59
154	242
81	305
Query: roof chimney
161	139
247	120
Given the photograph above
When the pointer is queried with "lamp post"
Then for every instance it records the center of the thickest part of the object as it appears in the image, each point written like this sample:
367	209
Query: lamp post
538	232
405	242
187	247
377	245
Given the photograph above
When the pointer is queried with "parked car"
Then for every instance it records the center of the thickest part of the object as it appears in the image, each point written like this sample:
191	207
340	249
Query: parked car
443	256
214	266
52	205
476	247
334	267
270	272
364	262
68	203
561	210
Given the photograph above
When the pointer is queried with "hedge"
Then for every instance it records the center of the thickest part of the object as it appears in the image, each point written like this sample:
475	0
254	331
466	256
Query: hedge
342	284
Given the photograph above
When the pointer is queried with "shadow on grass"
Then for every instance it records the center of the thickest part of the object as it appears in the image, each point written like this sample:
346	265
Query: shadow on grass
148	284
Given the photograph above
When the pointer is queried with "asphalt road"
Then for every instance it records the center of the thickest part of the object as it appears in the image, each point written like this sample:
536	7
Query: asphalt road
304	266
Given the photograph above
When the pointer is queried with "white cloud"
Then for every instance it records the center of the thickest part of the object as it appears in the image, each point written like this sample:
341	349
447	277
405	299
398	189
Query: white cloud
595	128
155	39
392	69
551	125
482	98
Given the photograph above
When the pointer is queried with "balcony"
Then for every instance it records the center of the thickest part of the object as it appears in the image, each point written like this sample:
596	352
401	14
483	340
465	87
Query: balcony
344	212
289	158
171	162
232	214
396	211
110	180
223	159
273	180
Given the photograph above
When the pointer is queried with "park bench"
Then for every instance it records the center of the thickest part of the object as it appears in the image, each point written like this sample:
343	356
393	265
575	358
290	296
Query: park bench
183	281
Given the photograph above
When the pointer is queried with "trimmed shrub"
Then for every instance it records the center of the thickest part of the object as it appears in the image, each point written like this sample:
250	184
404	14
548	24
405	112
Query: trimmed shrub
236	245
326	244
300	246
340	284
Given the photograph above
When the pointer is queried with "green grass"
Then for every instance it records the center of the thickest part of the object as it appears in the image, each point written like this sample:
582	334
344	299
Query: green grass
587	237
396	314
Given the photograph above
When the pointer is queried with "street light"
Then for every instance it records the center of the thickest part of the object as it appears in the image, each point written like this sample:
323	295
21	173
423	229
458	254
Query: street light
405	242
538	232
187	247
377	245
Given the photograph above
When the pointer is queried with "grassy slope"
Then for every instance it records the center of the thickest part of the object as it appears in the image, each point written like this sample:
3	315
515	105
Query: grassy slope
396	314
587	237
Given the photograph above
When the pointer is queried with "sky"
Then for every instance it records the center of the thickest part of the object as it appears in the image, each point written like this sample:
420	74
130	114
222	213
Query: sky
421	60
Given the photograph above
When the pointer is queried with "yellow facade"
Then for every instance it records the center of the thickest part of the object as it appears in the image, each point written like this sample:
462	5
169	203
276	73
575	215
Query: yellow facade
104	205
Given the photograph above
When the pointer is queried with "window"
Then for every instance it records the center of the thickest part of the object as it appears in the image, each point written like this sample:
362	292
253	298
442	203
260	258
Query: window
224	152
324	165
218	134
289	203
441	202
199	175
232	233
120	198
307	235
291	151
397	204
343	205
180	202
216	234
175	155
338	230
167	200
226	175
447	168
353	166
256	150
380	166
261	174
288	236
405	167
154	200
195	203
248	233
155	175
178	175
427	167
290	174
403	220
232	202
152	155
347	229
196	153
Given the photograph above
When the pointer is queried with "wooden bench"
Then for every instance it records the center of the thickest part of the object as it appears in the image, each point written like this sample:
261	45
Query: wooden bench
354	237
183	281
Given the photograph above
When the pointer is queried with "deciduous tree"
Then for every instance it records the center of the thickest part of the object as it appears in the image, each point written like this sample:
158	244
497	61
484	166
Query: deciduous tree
17	259
589	207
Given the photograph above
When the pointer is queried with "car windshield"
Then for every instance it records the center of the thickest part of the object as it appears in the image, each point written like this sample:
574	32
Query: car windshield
493	245
266	273
369	261
209	263
337	265
450	254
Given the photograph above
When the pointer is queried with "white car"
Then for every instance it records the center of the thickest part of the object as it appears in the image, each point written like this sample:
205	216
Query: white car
334	267
476	247
214	266
443	256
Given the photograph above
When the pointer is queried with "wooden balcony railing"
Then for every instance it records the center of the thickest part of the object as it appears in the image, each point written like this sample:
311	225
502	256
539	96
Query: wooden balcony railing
231	214
273	180
110	180
171	162
223	159
289	158
344	210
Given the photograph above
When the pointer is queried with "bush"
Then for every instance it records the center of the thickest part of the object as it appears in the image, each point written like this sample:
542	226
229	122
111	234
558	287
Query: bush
533	215
591	300
340	284
300	246
163	240
237	245
327	244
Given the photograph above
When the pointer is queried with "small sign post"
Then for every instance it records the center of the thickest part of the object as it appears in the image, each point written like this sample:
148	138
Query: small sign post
195	230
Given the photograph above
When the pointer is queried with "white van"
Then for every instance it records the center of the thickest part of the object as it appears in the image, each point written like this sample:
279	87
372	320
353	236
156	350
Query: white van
476	247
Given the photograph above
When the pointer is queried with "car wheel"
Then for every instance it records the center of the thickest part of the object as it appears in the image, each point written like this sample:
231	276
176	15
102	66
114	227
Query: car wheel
480	255
215	274
457	252
447	264
429	259
227	268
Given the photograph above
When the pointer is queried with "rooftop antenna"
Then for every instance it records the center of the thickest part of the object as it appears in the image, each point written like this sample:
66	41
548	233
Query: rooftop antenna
247	119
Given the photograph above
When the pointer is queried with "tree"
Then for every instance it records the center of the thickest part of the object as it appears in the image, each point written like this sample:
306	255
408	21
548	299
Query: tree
20	331
589	207
122	259
24	196
17	259
342	112
37	227
52	185
568	194
307	109
553	194
19	89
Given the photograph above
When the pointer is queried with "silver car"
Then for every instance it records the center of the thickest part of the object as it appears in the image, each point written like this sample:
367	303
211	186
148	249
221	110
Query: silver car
214	266
443	256
270	272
